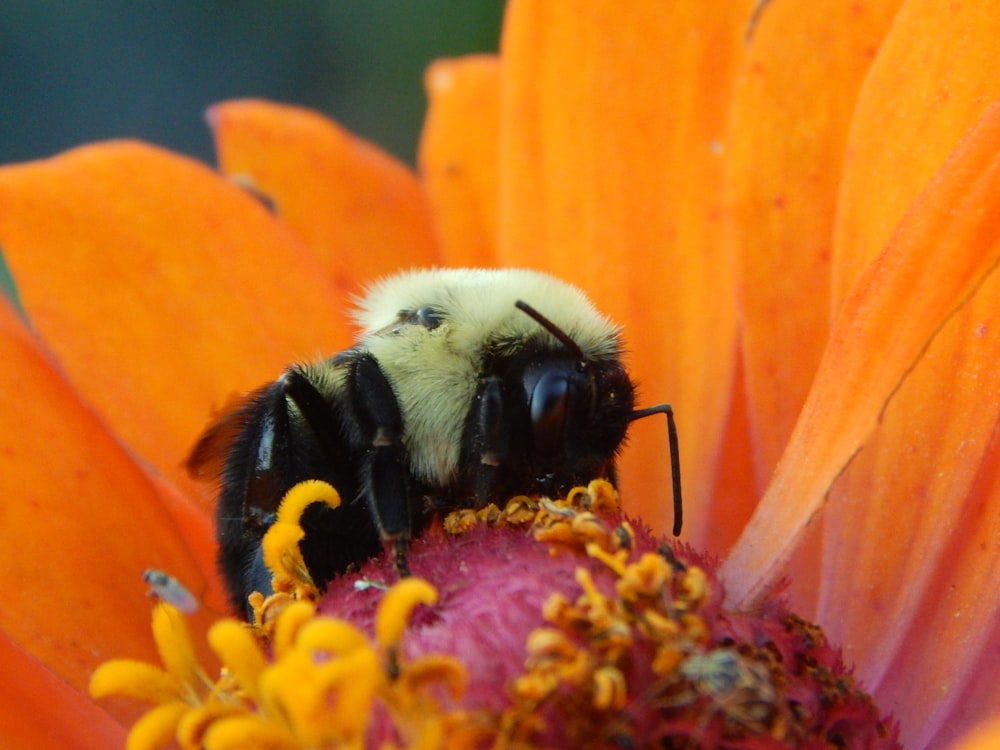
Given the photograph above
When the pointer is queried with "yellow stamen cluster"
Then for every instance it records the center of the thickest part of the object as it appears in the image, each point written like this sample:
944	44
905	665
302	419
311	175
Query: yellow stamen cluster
290	578
294	679
578	669
549	517
317	685
519	510
578	666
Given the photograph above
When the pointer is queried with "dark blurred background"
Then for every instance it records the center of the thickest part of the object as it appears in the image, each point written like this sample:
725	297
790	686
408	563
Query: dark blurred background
73	71
76	71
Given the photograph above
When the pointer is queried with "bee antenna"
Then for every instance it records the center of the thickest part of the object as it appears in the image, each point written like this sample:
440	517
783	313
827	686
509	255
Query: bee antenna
675	457
552	328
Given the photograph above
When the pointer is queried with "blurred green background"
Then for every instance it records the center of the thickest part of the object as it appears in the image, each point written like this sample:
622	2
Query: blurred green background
73	71
76	71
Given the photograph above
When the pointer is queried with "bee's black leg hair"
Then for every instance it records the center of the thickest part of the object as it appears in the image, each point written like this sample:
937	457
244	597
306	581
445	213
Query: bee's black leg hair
384	466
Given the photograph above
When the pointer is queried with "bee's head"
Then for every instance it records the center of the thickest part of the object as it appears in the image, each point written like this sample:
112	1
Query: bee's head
580	410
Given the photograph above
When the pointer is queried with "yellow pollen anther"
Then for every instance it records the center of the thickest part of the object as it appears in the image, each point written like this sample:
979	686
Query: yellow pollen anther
578	497
237	648
134	679
550	642
396	607
173	642
304	494
293	617
195	723
610	691
436	670
280	545
594	597
282	556
460	521
330	637
158	726
603	496
694	586
614	561
560	510
644	579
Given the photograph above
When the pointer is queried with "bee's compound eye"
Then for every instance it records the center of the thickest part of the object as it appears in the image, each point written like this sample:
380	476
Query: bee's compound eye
427	317
548	403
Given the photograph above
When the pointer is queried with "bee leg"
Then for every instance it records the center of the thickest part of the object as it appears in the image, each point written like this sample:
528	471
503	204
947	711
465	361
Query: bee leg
493	434
383	479
400	558
489	435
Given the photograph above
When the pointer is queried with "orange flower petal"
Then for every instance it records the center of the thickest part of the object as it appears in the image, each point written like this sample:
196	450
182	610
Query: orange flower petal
458	156
360	211
611	120
939	256
927	487
984	737
933	78
37	709
734	485
784	149
160	288
81	520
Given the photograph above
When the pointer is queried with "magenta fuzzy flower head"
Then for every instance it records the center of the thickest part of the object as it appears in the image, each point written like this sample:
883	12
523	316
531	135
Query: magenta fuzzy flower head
548	623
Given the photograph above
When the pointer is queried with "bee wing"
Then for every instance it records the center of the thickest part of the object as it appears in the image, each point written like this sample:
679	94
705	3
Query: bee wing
207	457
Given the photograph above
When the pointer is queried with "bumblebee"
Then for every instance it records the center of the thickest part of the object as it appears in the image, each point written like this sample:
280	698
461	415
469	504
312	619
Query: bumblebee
465	387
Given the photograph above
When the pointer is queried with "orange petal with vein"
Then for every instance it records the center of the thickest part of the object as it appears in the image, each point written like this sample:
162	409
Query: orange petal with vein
784	149
929	489
939	256
360	211
80	527
934	76
609	178
458	156
37	709
161	288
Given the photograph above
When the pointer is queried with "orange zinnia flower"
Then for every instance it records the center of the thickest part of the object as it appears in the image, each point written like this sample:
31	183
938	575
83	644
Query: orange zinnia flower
793	209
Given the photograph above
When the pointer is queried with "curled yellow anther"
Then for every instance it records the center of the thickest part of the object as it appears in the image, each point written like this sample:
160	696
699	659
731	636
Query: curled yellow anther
304	494
282	556
396	606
